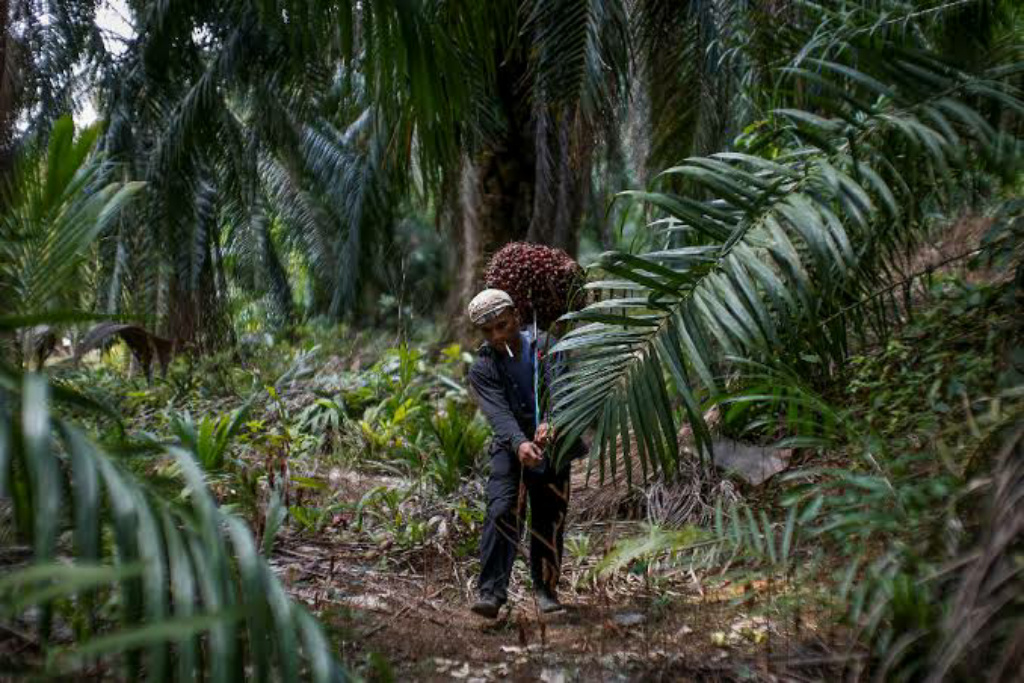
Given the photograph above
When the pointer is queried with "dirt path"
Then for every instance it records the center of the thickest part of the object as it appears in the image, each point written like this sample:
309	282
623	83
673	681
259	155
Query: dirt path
614	630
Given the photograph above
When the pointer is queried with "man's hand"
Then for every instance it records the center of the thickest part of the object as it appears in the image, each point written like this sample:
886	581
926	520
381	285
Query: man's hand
544	434
529	454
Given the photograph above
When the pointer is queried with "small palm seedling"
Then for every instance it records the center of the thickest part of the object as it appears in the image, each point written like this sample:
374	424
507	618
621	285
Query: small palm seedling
186	579
210	438
460	435
324	420
578	546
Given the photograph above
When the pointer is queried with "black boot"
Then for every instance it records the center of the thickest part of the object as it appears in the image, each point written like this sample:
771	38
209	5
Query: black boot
487	606
547	601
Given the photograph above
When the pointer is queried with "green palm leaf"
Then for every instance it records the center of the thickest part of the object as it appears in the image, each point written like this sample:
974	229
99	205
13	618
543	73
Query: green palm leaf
55	208
779	248
218	582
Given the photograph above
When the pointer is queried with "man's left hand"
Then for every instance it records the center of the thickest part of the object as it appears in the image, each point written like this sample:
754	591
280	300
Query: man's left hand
545	433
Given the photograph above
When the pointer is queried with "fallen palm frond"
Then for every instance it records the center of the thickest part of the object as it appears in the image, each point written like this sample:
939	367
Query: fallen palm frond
144	345
630	493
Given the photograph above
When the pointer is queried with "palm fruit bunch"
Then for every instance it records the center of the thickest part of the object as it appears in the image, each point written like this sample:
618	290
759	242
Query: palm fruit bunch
537	277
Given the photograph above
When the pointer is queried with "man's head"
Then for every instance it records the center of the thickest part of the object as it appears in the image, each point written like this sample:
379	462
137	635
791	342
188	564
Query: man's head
494	314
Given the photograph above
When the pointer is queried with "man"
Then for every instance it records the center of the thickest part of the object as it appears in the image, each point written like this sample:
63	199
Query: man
502	381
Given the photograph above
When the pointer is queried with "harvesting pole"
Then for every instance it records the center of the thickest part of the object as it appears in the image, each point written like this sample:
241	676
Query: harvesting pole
536	372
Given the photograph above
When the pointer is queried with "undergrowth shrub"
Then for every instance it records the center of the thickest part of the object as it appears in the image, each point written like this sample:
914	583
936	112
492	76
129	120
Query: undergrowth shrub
423	422
901	492
460	435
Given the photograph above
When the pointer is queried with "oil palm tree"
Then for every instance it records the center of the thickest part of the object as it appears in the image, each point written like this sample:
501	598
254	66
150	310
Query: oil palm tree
182	582
219	107
56	204
779	250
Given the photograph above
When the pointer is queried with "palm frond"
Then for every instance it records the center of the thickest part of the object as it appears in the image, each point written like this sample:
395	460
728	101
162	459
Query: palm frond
580	52
219	582
785	241
679	50
576	77
981	622
419	59
56	207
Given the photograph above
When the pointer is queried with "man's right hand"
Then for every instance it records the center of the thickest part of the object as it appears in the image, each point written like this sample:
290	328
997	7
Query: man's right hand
529	454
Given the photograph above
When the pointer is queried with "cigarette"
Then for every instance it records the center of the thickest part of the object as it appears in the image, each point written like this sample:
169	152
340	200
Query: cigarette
509	350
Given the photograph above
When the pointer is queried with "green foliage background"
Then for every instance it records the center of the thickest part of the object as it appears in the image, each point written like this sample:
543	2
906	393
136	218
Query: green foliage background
752	185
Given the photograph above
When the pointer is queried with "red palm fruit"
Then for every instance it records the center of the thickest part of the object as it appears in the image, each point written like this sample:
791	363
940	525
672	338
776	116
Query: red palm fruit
538	278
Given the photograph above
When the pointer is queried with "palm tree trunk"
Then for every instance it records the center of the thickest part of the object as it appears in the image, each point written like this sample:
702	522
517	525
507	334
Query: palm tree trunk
531	186
495	195
563	153
8	104
196	317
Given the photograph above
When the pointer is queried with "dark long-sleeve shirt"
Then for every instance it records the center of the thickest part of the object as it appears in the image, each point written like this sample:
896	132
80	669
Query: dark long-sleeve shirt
510	416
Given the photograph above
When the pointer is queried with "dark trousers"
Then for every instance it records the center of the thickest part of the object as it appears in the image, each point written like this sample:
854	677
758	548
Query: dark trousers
548	495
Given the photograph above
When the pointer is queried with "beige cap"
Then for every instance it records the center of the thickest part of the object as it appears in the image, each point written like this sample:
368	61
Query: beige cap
486	305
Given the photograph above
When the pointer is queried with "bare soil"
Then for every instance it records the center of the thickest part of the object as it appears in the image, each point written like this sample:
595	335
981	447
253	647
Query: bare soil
641	625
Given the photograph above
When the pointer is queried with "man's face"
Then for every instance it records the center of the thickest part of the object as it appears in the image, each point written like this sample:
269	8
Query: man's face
502	330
